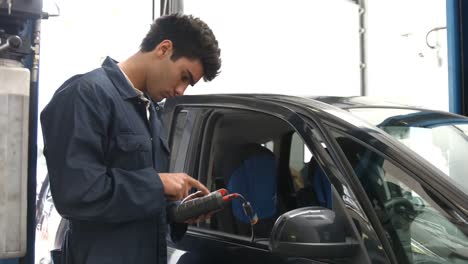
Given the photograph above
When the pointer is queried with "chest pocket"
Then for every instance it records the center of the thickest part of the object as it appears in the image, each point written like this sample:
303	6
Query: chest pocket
132	152
131	142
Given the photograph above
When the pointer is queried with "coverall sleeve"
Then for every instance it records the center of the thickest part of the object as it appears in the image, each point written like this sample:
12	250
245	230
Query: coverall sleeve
75	127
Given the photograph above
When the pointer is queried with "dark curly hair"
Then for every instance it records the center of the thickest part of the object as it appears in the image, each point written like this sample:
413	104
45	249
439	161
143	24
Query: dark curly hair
191	38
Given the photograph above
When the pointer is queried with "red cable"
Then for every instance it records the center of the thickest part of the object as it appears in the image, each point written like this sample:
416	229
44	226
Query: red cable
230	197
223	192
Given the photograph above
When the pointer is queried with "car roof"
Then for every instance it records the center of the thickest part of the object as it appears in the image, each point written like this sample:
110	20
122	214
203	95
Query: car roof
336	106
341	102
358	102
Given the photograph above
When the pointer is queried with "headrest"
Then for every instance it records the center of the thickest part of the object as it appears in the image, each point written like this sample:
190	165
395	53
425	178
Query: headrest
320	184
254	175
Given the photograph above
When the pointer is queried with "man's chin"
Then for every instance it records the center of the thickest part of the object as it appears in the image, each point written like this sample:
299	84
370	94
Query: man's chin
158	98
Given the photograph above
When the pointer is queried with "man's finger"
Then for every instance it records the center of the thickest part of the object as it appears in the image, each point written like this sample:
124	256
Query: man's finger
199	194
186	189
194	183
192	196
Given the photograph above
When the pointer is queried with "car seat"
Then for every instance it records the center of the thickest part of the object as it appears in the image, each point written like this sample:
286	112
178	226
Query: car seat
251	170
368	167
317	187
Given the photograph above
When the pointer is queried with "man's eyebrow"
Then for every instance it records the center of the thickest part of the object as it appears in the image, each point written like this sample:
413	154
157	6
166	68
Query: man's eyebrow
191	81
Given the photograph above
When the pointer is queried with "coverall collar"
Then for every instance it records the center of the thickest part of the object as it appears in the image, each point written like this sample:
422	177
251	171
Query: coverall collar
120	81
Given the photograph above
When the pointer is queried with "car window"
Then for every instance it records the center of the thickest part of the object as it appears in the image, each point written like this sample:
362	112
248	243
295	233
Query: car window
440	138
298	163
417	227
179	125
311	185
246	155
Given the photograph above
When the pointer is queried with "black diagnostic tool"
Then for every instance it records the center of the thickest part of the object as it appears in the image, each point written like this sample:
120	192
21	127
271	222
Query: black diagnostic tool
209	203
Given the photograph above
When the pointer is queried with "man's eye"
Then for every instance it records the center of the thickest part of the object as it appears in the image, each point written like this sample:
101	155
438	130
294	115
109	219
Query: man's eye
185	79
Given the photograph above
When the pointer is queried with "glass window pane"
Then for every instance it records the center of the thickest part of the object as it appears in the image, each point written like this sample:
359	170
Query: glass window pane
296	155
417	226
441	139
179	126
311	185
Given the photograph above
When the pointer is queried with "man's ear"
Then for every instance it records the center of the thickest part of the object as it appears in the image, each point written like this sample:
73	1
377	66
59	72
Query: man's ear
164	48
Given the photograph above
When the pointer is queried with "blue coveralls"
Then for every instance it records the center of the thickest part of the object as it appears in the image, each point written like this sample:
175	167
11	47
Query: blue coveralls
103	156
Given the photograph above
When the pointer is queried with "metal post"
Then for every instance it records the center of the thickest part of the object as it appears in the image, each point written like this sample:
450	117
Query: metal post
363	45
455	55
32	159
172	7
153	10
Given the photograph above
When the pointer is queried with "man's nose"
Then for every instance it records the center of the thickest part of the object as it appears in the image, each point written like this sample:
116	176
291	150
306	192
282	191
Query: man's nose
181	89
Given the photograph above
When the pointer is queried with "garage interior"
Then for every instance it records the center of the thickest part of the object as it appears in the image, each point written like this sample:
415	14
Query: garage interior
406	51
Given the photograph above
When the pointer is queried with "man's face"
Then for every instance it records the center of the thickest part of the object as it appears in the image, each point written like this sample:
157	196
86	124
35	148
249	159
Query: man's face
171	78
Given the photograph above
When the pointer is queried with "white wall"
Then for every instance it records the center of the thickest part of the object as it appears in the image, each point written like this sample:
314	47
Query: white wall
401	65
311	47
302	47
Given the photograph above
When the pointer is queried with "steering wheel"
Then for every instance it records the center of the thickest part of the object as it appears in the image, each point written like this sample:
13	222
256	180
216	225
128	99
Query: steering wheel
401	206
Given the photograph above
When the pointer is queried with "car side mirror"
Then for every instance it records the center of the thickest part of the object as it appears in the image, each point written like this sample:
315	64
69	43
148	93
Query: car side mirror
311	232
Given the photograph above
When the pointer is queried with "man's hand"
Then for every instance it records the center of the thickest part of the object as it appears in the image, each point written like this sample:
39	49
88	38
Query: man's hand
177	185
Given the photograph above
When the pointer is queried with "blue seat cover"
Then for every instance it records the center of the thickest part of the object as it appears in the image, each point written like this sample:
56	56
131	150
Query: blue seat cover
256	180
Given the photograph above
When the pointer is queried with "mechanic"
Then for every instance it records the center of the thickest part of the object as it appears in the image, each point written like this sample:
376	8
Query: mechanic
107	152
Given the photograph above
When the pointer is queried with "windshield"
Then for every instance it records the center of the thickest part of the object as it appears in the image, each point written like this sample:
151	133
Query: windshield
440	138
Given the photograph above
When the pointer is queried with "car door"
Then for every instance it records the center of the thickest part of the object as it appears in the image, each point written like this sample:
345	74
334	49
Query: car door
419	222
200	127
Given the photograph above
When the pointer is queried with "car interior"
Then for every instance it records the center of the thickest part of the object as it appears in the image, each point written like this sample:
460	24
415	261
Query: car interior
261	157
393	210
